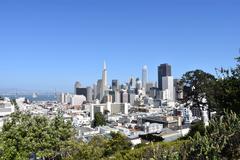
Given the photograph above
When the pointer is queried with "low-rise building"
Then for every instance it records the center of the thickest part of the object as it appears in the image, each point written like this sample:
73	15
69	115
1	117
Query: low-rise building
109	108
166	121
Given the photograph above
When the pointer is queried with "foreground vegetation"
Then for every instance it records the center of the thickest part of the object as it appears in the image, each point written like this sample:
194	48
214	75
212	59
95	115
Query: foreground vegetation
23	134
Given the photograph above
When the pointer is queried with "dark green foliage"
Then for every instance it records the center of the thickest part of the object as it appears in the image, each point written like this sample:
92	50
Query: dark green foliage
84	151
220	140
140	145
99	120
220	93
118	142
227	90
196	86
232	149
197	127
158	151
151	138
227	95
99	148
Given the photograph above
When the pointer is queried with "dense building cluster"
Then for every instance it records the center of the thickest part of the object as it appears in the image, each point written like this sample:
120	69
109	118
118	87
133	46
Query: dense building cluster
136	108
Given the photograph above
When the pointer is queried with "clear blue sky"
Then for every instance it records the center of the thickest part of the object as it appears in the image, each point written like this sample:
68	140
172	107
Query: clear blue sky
48	44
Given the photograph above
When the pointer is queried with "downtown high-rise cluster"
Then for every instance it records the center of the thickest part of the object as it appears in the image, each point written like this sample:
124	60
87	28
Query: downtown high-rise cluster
164	91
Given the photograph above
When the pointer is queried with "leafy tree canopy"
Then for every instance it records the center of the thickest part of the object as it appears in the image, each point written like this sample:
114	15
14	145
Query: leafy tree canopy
23	134
99	120
196	86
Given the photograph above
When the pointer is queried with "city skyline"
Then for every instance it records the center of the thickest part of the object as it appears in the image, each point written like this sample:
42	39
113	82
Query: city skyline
119	79
51	45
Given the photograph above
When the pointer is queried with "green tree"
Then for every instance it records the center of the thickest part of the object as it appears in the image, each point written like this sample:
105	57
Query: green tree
99	120
228	89
118	142
220	140
197	127
197	88
23	134
99	147
153	151
84	151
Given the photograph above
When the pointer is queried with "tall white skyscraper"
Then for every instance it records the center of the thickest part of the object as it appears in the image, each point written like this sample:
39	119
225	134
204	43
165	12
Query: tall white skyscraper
104	81
144	76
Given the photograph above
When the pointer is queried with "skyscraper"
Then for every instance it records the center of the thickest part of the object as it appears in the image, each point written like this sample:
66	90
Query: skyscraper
148	87
132	83
104	81
76	86
124	97
99	85
144	76
138	84
117	97
167	87
115	85
81	91
164	70
89	94
94	91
